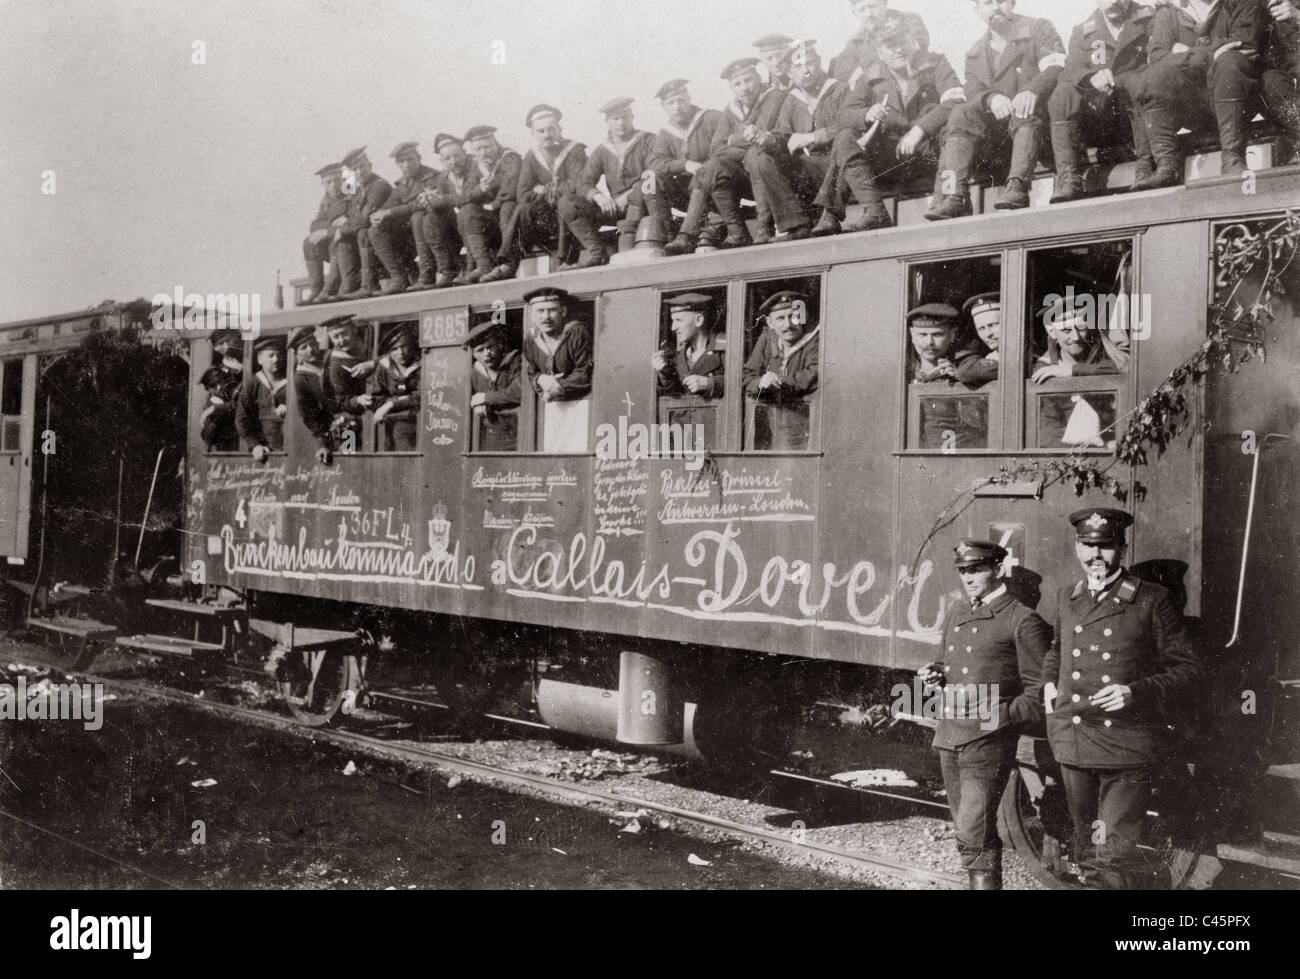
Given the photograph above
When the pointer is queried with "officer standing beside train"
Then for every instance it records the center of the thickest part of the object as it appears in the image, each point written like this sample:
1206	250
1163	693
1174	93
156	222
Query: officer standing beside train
994	649
1121	667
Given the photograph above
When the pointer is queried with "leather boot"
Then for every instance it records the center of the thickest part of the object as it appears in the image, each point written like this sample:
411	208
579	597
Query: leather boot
480	259
424	281
1024	158
391	261
949	206
827	225
1234	132
369	276
448	260
984	880
1163	135
858	179
499	274
316	273
587	232
683	244
1065	146
728	205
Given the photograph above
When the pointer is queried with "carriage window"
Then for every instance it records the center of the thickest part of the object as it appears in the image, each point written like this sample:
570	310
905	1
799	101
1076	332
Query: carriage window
783	333
394	388
262	402
690	368
496	361
1081	323
221	383
559	355
11	405
954	338
348	367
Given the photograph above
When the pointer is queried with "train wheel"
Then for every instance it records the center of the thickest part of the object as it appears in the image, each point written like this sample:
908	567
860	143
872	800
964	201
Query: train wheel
1020	822
326	686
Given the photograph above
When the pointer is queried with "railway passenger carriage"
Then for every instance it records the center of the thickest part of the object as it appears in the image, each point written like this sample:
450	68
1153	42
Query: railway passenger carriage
660	594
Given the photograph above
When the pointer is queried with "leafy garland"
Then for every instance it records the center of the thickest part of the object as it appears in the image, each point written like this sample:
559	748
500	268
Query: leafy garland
1237	335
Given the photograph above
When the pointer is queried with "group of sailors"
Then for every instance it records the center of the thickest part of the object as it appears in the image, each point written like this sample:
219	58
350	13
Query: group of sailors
803	142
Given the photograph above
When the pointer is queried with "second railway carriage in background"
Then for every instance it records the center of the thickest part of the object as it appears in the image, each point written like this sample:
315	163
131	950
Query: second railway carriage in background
813	532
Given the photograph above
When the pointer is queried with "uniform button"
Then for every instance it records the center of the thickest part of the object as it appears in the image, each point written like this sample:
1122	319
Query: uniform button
970	649
1078	628
951	648
1105	656
1075	698
1076	674
956	628
947	669
1106	632
964	671
1078	719
1107	723
1105	679
974	628
1077	654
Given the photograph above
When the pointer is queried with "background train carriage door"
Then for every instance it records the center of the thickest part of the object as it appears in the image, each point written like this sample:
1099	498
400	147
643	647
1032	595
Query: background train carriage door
444	388
690	367
17	405
1081	331
218	371
956	366
782	373
495	366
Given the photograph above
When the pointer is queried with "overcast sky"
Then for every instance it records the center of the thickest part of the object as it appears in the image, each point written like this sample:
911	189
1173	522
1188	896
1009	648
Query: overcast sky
170	173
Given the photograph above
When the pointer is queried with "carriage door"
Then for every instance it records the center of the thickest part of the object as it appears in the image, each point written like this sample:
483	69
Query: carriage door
17	399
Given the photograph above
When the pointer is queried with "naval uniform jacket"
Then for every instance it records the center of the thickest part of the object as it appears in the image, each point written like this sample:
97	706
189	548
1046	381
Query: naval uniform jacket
400	385
405	198
571	363
371	196
1031	62
797	367
1003	643
670	150
622	172
562	172
729	142
498	183
501	391
804	113
712	365
309	390
1124	55
256	417
330	209
933	76
341	388
1171	25
1134	636
452	190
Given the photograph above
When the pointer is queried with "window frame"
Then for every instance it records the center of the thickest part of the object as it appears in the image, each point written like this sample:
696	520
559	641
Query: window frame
1016	353
721	327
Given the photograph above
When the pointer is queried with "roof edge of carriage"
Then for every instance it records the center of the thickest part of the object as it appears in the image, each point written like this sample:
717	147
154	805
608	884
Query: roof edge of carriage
1213	199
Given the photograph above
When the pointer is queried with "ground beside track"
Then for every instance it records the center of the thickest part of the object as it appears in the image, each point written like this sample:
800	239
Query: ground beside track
356	827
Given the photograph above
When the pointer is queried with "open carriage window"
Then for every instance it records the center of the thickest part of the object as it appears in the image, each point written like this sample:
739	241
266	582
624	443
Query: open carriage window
954	342
11	405
220	384
1082	321
690	366
348	365
782	375
261	406
394	388
496	365
559	359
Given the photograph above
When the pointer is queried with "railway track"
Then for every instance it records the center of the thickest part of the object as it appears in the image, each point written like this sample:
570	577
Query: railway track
92	851
451	764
